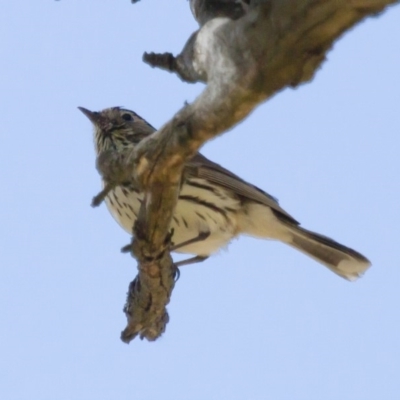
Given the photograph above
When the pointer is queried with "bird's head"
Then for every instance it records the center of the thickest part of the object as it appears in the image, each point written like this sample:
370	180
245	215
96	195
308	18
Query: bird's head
117	128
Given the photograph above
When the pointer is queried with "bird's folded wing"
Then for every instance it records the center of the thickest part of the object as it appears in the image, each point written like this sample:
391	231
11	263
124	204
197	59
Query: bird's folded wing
201	167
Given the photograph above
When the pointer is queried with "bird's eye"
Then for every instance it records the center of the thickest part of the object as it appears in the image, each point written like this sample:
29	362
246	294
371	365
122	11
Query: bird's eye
127	117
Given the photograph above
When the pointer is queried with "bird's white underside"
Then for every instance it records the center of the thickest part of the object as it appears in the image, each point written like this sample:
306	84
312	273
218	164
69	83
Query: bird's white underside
191	218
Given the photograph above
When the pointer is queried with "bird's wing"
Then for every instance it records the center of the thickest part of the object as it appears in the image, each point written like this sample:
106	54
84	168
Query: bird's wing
201	167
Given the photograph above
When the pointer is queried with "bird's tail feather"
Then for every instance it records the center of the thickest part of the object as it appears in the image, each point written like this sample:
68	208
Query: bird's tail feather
342	260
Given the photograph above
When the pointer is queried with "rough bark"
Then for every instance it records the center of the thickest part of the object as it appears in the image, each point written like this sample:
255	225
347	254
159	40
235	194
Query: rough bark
275	44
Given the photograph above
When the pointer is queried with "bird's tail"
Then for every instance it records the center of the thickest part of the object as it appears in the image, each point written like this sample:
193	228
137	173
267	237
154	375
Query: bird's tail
268	223
342	260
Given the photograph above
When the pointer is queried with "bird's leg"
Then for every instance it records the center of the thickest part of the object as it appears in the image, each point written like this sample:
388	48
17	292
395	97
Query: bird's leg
192	260
201	236
99	198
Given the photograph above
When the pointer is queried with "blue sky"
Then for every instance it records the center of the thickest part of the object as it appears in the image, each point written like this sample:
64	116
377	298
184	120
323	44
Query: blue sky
256	321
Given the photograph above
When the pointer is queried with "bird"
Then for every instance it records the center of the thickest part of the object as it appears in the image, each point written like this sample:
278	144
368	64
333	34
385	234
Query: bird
214	205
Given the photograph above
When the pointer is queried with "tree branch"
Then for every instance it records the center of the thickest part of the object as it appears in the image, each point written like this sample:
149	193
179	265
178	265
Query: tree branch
274	45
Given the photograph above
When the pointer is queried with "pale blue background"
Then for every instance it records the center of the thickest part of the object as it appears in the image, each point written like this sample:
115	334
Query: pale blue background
259	321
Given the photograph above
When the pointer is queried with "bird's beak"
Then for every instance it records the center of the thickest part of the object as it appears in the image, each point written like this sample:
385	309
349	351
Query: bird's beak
93	116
